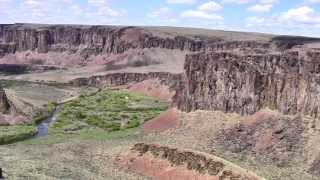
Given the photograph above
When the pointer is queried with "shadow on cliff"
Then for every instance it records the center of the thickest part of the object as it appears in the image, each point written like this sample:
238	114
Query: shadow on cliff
287	42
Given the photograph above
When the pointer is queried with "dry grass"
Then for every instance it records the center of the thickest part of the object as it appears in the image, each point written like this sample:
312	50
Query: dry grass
92	156
71	160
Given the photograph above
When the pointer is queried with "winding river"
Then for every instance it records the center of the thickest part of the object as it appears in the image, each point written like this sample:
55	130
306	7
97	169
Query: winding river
43	127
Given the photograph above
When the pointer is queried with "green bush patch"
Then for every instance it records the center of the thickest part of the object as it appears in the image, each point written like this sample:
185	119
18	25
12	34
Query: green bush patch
108	110
11	134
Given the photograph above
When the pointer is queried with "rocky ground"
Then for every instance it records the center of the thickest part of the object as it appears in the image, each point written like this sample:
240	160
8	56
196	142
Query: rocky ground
94	155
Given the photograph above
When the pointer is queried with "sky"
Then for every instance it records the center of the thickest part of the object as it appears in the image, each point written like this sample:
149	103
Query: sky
292	17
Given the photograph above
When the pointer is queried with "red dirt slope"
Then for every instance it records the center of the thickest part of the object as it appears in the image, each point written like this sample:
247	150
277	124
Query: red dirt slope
167	120
164	163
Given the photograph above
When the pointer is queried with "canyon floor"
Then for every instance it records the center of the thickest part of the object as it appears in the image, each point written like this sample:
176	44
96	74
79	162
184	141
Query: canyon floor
94	155
73	150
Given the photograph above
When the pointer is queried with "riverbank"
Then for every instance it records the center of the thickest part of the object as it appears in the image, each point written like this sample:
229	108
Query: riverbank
14	133
93	113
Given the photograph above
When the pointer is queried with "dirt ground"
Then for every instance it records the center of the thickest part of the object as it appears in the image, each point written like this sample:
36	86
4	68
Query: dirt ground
95	158
143	61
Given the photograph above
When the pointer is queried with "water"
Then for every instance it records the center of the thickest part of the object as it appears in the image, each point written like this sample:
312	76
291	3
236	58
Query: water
43	127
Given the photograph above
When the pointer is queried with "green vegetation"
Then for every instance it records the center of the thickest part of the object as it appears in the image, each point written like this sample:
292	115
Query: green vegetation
44	113
10	83
119	113
108	110
86	135
11	134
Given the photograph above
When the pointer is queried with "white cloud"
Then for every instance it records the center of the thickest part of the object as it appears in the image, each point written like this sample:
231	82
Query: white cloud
60	11
162	15
302	20
237	1
101	8
255	20
314	1
204	11
200	14
163	12
210	6
269	1
263	6
260	8
5	6
181	1
32	2
97	2
304	15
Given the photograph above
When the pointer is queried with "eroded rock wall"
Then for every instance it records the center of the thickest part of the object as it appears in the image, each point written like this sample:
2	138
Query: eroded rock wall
120	79
225	81
90	39
4	104
96	40
161	162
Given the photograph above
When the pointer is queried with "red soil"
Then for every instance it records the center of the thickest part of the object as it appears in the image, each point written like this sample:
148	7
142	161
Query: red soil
9	119
267	135
167	120
257	118
160	169
154	88
165	163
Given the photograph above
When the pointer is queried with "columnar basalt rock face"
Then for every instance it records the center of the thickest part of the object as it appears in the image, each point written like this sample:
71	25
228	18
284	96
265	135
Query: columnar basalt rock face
120	79
97	40
247	83
4	104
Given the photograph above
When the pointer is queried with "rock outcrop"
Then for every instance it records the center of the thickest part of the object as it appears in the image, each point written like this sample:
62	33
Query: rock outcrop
287	82
79	43
109	39
161	162
4	104
120	79
96	39
270	136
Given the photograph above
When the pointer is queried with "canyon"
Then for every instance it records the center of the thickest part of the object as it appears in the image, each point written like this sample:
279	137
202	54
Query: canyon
262	89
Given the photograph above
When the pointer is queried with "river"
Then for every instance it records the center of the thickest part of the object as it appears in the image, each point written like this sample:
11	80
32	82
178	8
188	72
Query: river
43	127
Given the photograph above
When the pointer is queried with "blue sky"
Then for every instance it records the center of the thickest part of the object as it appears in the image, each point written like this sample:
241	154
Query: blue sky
297	17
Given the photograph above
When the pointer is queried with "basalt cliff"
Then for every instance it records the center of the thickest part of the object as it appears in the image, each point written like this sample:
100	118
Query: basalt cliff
211	70
71	45
4	104
230	82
